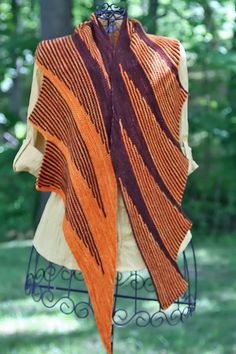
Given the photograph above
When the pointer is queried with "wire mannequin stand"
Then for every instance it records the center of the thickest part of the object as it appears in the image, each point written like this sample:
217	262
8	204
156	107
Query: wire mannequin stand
53	285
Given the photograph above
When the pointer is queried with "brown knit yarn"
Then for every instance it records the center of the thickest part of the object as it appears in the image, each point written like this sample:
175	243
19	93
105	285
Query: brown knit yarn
110	113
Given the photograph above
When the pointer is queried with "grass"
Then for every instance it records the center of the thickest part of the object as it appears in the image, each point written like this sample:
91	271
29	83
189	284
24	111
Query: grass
29	327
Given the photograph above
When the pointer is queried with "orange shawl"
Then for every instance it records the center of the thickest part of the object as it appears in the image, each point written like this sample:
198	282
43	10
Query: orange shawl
110	115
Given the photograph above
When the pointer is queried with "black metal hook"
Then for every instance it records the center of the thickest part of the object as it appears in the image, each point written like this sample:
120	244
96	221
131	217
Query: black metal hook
111	12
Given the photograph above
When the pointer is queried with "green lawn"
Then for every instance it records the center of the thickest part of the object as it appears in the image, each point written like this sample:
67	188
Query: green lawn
28	327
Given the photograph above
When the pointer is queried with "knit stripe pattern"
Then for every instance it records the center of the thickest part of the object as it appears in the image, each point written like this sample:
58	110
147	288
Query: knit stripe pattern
110	115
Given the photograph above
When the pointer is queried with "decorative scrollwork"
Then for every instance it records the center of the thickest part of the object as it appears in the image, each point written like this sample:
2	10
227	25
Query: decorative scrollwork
108	10
83	309
55	285
148	285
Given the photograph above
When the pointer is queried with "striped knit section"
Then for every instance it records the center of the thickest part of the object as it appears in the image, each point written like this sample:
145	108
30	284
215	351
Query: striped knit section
58	125
48	109
87	184
85	36
168	95
161	148
173	227
149	133
53	174
48	52
167	281
168	48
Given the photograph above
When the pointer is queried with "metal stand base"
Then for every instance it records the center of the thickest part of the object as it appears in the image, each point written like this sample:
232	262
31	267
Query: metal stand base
134	301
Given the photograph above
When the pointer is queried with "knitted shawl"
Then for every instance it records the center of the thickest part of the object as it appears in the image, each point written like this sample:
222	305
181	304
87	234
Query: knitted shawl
110	115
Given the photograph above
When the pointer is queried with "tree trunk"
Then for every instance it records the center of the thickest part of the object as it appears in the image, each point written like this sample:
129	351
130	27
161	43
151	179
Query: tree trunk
15	93
56	18
153	15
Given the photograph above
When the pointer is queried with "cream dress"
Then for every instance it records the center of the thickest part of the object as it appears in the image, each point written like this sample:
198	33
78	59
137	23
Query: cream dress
49	238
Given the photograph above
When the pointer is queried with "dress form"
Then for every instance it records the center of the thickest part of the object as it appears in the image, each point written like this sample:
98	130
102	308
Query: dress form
45	281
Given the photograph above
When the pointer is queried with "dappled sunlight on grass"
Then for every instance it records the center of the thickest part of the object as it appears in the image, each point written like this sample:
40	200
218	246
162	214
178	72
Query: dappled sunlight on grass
38	325
205	305
26	306
229	295
28	321
209	257
28	326
27	316
15	244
